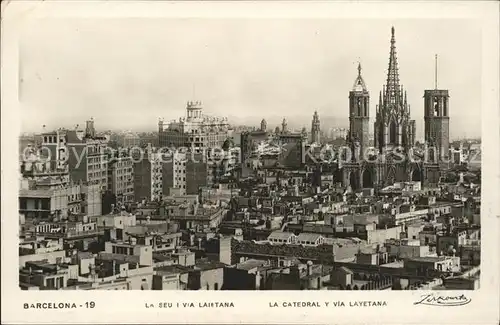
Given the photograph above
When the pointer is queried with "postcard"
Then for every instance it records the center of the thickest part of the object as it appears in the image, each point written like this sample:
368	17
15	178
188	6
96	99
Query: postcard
170	161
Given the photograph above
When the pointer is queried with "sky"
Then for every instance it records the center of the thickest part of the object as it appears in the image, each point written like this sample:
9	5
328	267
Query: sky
126	73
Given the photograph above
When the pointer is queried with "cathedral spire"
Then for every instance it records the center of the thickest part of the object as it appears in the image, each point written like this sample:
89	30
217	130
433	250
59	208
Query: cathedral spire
392	86
359	83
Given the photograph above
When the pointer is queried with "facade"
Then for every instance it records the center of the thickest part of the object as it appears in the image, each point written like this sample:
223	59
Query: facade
48	203
250	142
121	179
82	154
195	130
394	134
148	177
131	140
183	174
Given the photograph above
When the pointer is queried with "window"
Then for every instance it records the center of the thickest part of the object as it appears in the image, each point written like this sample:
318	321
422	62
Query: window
51	283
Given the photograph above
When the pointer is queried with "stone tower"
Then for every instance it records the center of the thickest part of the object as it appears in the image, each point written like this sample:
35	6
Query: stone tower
263	125
90	129
284	126
437	120
315	129
160	125
359	113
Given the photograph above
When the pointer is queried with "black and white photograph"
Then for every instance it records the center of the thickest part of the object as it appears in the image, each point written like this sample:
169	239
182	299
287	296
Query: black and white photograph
251	154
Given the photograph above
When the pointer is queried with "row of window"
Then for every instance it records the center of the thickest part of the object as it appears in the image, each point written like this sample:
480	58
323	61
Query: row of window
124	171
123	250
52	139
74	197
95	175
92	160
55	283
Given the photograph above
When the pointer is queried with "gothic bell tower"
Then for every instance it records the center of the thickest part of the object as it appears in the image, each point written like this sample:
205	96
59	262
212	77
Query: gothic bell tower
359	113
437	119
315	129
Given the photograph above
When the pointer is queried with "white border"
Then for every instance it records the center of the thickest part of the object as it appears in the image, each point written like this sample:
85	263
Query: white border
251	307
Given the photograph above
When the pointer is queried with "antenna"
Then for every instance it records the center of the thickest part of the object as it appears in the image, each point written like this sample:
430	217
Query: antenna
436	72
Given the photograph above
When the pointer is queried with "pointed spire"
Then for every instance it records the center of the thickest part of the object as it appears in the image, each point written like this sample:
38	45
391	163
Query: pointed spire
392	72
436	72
359	83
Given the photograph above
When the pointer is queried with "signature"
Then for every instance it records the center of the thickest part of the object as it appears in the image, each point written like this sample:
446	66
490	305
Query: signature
445	301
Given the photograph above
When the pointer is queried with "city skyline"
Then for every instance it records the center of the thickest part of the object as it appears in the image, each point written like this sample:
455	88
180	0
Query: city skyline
256	74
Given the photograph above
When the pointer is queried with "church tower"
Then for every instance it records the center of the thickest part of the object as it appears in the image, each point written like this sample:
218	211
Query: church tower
437	120
359	113
393	127
284	126
315	129
263	125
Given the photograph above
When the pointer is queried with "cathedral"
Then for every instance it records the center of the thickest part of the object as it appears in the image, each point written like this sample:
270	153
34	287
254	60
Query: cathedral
387	160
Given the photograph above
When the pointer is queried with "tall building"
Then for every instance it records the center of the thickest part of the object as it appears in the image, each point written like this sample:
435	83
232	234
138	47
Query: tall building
184	173
121	179
148	175
359	112
437	119
195	130
82	154
315	129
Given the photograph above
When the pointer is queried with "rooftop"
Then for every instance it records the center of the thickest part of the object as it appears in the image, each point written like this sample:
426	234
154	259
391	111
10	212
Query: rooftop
280	235
429	259
250	264
308	237
35	193
172	269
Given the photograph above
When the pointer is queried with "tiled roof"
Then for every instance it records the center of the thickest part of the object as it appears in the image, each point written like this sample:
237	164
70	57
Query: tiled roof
280	235
308	237
345	270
